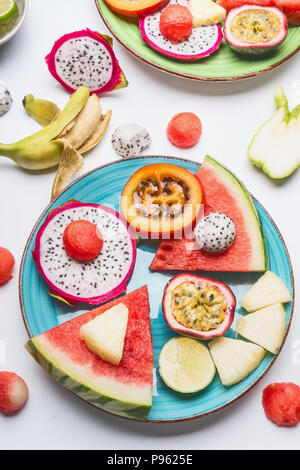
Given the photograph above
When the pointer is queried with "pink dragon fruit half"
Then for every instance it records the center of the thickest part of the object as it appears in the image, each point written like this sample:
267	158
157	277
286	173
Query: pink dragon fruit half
202	42
86	58
93	282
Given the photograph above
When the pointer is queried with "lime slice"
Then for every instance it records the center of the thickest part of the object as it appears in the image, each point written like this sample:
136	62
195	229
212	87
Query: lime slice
185	365
7	9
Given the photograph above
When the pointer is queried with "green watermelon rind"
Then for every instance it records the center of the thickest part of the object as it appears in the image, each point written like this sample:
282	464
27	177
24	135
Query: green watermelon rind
263	263
106	403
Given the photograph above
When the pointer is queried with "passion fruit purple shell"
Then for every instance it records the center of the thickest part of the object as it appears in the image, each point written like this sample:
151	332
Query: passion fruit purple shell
203	282
247	46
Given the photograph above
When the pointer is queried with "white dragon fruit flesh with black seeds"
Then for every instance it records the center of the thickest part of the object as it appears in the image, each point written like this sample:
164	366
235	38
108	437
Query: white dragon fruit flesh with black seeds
95	281
5	99
129	140
202	42
85	58
215	233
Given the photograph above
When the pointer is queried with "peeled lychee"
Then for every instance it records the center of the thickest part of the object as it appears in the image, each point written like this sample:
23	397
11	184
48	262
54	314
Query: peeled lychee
281	402
7	262
13	392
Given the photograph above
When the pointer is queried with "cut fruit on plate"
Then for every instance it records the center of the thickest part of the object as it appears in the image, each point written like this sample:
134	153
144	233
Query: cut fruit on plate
266	327
206	12
124	390
95	281
136	7
246	254
185	365
276	146
161	201
268	290
105	335
202	42
235	359
198	306
254	29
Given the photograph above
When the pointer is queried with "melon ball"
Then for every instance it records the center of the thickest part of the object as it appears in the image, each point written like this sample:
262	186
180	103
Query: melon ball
82	240
176	23
7	262
184	130
281	402
13	392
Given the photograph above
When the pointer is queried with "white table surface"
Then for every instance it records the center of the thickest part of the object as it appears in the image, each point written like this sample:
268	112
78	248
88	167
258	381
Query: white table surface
230	112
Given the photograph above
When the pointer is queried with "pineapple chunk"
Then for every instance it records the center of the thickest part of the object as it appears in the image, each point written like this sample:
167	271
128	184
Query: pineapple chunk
235	359
268	290
266	327
206	12
105	334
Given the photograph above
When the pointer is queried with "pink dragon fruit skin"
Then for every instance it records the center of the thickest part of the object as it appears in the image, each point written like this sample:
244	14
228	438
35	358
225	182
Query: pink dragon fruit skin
40	252
99	77
149	27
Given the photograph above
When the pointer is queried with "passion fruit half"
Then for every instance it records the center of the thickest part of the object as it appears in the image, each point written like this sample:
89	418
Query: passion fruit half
162	201
198	306
253	29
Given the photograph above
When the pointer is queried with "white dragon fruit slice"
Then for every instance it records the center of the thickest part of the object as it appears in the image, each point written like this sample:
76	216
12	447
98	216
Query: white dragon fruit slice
202	42
129	140
5	99
86	58
95	281
215	233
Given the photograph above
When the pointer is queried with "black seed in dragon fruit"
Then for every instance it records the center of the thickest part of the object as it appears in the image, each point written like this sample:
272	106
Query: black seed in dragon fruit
215	233
86	58
95	281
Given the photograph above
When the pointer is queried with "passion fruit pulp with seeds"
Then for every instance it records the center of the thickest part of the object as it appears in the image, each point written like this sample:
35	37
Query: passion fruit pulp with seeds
253	29
198	306
162	200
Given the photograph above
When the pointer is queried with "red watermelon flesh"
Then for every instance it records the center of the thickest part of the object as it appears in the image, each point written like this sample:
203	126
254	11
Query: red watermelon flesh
224	193
124	389
290	7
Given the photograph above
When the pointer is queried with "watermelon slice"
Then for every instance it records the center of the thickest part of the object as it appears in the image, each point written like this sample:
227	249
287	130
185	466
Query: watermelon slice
124	390
225	193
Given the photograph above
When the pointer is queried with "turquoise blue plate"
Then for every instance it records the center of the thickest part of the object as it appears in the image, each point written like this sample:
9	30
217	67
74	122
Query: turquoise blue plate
41	312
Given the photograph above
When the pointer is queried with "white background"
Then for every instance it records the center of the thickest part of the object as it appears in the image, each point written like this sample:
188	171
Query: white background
231	114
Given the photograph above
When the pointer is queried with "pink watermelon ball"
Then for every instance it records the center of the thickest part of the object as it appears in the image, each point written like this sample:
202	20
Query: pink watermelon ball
13	392
184	130
7	262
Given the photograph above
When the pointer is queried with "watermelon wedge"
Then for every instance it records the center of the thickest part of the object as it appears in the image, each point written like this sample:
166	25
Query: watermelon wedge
124	390
226	194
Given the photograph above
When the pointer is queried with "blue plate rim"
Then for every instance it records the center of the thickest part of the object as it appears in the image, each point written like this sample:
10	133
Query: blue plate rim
160	421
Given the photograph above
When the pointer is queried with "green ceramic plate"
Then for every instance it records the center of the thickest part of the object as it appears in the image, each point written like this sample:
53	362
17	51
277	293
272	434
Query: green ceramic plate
222	65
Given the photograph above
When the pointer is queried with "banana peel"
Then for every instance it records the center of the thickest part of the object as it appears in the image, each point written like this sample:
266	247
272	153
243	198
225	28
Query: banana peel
70	163
66	135
84	133
42	111
98	134
40	151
